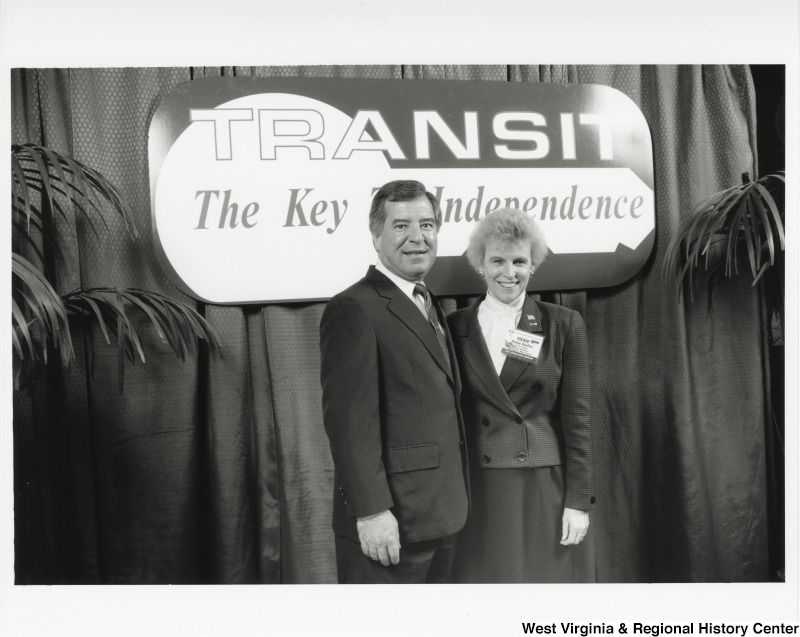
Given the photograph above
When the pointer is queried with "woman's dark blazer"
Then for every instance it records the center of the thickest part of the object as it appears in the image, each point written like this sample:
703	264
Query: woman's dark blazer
532	414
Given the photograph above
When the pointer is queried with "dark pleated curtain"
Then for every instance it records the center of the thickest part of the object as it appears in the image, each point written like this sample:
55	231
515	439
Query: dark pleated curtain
217	469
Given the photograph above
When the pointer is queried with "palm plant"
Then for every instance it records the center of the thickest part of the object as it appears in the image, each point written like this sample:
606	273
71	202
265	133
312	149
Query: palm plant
746	219
48	185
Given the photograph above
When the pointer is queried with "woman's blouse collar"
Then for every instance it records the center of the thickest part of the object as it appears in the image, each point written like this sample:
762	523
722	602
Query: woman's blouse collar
496	306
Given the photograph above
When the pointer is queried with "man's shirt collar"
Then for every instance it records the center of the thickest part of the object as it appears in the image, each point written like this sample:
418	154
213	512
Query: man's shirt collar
406	286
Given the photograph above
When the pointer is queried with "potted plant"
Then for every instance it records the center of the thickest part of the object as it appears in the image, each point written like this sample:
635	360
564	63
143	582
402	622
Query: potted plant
739	225
742	225
47	185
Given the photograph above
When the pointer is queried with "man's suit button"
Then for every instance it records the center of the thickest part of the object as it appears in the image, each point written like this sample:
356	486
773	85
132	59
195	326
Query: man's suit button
485	422
537	387
486	459
592	500
522	457
518	420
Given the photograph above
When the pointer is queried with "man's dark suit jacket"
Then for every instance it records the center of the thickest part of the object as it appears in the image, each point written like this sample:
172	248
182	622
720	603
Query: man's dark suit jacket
390	403
531	414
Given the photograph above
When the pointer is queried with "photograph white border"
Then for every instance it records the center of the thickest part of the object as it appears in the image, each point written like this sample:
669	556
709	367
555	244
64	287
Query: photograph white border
91	33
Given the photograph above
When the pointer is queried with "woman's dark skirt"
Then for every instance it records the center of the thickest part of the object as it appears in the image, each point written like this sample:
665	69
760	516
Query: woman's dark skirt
513	532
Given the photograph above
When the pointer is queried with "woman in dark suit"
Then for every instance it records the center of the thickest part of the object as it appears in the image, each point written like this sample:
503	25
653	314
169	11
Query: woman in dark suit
525	371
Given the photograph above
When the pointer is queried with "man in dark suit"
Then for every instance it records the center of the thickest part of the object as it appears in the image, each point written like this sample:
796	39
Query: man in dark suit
390	397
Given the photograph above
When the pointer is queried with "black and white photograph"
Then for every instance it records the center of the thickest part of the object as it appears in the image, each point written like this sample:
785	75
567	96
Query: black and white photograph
513	322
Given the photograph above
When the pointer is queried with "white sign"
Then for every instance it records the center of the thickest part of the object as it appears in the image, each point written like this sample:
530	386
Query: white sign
265	197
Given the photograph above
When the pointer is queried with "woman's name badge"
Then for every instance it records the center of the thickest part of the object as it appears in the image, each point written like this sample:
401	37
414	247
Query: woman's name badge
523	346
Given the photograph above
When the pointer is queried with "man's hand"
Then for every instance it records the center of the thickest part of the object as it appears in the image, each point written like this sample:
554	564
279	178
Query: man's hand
574	526
380	537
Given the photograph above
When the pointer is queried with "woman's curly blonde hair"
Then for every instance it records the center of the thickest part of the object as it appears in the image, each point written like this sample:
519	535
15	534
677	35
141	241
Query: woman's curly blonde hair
506	224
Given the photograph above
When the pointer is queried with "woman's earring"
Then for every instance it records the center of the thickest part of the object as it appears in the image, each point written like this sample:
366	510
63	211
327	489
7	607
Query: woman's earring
480	273
530	274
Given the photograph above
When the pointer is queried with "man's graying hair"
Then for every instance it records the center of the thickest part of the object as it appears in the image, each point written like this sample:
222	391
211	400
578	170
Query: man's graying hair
401	190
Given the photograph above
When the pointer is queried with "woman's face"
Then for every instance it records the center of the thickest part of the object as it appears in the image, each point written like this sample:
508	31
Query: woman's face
507	267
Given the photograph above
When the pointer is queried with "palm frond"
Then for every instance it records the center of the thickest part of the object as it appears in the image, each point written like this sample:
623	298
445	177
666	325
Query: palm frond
58	177
50	240
176	324
765	197
45	306
19	185
745	216
48	186
35	184
21	329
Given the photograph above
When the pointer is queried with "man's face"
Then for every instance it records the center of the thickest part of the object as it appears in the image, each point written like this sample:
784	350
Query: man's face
407	243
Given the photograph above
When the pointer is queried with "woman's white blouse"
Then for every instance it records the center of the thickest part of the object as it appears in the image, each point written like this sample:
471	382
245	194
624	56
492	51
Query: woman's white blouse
496	318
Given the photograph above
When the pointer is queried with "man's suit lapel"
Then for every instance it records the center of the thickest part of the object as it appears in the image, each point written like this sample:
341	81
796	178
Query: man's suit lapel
530	321
477	355
405	310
